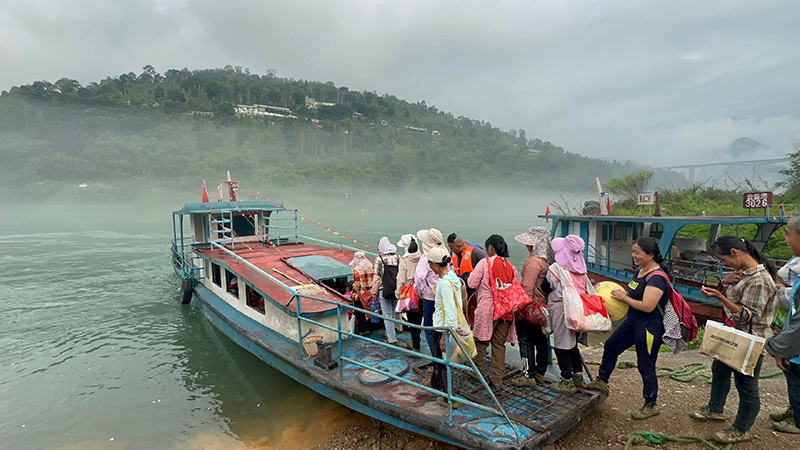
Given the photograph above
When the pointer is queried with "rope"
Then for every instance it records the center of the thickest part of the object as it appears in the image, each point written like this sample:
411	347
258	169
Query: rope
685	373
651	437
305	218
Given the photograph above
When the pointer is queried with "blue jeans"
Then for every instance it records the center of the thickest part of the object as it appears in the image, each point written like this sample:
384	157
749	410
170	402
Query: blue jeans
634	332
793	383
749	401
387	309
427	320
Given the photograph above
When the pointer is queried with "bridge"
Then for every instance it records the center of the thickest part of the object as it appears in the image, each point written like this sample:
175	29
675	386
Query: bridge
754	163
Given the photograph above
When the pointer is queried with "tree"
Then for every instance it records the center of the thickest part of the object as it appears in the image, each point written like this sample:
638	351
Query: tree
224	111
67	85
792	182
158	93
629	186
176	96
148	74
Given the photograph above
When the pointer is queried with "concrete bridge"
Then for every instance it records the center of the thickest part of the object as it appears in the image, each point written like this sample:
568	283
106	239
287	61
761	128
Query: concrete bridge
754	163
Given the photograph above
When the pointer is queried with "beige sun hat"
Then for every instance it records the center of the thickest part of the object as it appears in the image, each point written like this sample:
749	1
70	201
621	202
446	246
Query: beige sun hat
430	239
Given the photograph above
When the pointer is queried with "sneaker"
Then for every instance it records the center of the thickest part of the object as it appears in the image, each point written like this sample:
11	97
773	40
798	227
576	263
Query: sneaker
577	379
730	435
564	387
703	414
523	380
597	385
781	416
441	401
786	426
410	346
645	412
540	378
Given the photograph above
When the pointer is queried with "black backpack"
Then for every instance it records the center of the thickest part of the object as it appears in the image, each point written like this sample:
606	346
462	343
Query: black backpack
389	280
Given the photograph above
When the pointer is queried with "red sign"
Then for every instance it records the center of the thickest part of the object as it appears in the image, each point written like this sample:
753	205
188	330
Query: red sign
757	200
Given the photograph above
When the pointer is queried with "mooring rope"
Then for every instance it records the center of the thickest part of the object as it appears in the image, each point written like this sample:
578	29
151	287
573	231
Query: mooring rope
651	437
685	373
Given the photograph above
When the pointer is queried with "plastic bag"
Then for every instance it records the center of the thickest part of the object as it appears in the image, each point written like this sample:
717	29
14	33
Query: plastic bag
582	312
407	301
537	314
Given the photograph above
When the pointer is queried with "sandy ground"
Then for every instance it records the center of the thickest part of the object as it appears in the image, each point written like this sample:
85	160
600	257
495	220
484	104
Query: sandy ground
607	426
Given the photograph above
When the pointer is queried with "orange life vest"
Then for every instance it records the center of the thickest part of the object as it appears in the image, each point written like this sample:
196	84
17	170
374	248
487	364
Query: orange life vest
464	265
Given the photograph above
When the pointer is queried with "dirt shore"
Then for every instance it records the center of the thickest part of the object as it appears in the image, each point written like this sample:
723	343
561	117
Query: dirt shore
608	426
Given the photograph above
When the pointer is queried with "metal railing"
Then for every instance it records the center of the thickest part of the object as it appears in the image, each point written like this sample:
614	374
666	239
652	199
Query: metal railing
296	297
341	246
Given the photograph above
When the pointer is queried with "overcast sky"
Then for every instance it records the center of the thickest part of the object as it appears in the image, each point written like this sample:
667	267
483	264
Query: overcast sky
656	82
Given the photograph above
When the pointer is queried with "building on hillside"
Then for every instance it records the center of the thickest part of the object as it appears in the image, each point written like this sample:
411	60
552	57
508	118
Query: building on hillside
312	103
384	123
417	129
264	110
435	133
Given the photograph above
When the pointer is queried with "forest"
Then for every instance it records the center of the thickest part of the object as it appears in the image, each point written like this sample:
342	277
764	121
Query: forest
184	123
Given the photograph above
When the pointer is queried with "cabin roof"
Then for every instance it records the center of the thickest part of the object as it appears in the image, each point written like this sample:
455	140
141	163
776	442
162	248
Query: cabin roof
243	206
709	220
321	267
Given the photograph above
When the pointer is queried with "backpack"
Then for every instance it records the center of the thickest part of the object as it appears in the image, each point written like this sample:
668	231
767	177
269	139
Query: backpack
682	309
389	280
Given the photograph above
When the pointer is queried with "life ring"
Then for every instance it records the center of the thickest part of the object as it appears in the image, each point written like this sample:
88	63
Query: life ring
187	289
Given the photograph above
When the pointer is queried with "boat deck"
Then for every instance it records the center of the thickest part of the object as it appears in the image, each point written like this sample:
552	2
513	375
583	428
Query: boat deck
539	414
268	258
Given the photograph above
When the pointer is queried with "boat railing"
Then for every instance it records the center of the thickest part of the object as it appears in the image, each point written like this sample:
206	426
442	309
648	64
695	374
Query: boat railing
472	368
445	360
783	209
679	269
340	246
185	261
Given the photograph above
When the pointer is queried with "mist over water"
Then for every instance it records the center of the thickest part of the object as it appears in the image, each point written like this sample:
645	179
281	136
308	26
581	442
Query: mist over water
95	344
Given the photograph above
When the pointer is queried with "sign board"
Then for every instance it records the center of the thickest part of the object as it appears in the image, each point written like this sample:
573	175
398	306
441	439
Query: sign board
757	200
647	198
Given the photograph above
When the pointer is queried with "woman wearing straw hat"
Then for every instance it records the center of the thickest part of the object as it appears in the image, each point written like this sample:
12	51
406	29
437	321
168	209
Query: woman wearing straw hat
425	279
405	276
533	348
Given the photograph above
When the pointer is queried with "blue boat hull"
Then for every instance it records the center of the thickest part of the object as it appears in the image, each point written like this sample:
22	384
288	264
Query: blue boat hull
273	348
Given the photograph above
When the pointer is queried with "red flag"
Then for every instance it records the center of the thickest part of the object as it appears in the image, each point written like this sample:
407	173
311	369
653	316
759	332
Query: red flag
547	213
608	203
205	192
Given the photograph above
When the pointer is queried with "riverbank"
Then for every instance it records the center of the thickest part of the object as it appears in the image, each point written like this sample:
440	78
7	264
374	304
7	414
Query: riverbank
608	425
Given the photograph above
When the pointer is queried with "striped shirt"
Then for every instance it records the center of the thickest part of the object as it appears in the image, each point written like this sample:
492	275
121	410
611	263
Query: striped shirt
788	273
755	293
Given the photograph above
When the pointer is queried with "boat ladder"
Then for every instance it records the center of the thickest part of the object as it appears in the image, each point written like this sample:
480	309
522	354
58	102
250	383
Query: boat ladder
223	232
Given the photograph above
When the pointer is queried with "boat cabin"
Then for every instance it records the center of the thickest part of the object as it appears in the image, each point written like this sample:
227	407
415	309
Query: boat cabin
250	255
609	240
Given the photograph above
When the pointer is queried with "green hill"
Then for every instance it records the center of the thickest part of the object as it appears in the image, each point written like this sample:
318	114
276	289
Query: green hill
184	123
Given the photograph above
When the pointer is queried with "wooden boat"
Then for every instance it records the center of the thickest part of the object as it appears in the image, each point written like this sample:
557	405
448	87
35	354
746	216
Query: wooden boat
609	240
281	297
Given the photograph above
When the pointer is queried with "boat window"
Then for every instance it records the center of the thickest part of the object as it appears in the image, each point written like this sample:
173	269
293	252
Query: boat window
656	230
618	233
338	284
244	225
232	283
216	275
254	299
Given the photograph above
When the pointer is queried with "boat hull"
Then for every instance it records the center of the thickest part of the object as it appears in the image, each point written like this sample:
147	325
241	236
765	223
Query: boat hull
273	350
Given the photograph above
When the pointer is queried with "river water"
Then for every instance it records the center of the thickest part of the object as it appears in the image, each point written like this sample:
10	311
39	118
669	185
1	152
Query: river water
97	352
